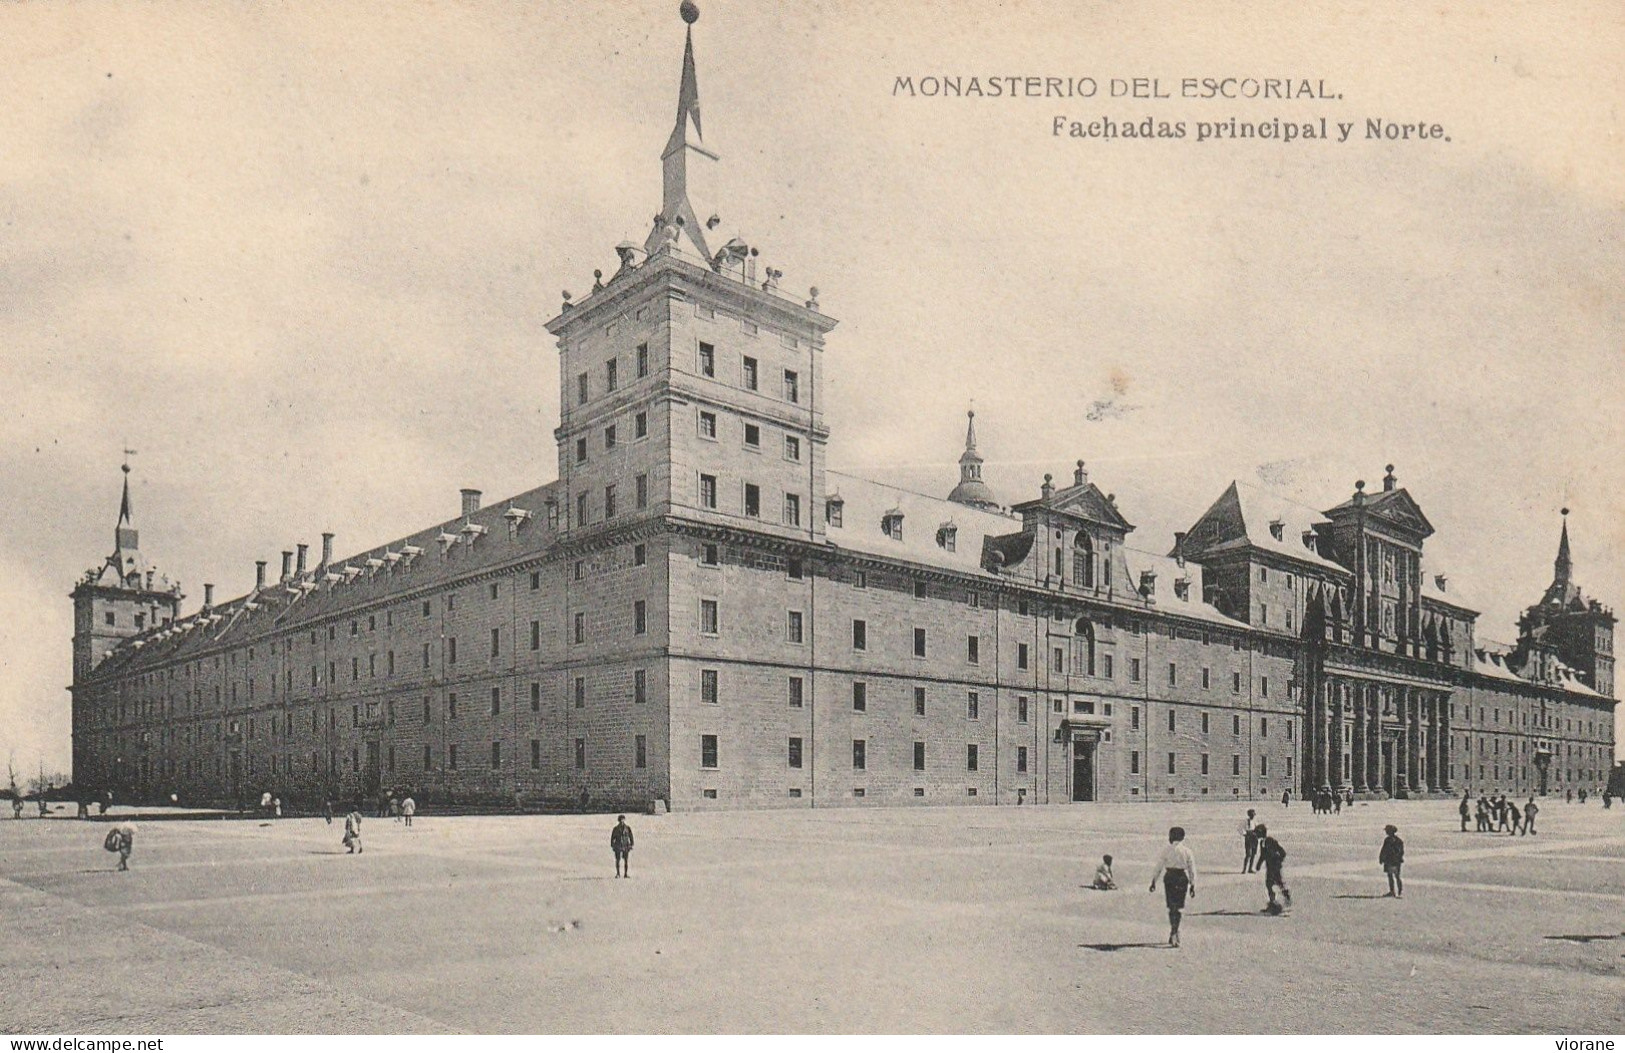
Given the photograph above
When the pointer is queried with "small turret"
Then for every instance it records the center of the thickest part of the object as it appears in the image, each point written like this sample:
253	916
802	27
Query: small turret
972	490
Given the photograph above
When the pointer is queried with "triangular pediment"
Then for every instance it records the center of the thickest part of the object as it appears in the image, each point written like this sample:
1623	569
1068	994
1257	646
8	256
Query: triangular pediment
1396	508
1084	502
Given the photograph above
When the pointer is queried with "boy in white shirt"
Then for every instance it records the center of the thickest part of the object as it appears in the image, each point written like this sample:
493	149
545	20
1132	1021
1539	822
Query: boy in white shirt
1177	868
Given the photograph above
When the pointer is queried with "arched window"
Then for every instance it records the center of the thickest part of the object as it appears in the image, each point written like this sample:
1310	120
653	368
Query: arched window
1083	562
1083	648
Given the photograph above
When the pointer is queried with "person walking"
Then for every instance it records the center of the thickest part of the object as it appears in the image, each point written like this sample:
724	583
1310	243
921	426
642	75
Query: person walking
16	805
1465	811
1529	812
1569	796
1103	875
1337	803
352	831
1348	796
1274	857
620	842
1392	857
1177	869
409	808
1515	818
327	810
1249	842
126	843
1286	798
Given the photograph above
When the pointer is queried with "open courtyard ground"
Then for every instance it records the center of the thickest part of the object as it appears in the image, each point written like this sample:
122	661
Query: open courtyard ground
844	920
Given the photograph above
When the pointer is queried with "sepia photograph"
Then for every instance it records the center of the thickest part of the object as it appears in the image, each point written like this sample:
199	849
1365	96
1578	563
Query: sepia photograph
1027	518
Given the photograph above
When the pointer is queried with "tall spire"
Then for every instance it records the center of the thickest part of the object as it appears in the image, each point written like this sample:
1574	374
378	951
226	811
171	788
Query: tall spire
971	489
1563	569
126	511
679	220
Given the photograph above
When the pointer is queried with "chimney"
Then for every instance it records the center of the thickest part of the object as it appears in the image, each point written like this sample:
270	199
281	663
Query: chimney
300	568
259	575
208	596
471	501
327	548
287	564
1179	547
1079	476
1388	480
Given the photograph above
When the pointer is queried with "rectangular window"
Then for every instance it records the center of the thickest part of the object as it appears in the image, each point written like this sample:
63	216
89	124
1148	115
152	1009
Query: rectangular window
753	500
640	686
973	649
643	360
1021	656
795	692
451	756
496	701
1204	723
1263	727
535	636
708	555
640	746
581	389
793	627
708	751
1021	759
535	697
919	701
581	509
640	426
1263	687
1171	764
581	754
1264	766
747	374
580	627
1057	661
1235	683
753	436
1134	670
919	756
970	757
1206	678
496	755
535	754
792	386
1106	666
708	686
610	375
860	635
1134	717
640	617
973	706
1235	764
708	424
640	555
919	643
792	510
860	760
609	437
1021	709
708	491
708	360
1173	675
428	758
708	617
860	697
581	692
1134	762
792	448
642	491
793	755
1171	715
609	501
496	643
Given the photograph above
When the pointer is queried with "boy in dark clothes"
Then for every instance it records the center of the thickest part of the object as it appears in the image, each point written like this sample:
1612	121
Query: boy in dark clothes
620	842
1274	857
1392	857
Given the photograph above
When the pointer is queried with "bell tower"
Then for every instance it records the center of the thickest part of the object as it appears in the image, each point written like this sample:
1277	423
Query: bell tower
123	597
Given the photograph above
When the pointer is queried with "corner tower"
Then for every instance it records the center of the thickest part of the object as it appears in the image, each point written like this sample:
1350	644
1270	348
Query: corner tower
1578	629
121	598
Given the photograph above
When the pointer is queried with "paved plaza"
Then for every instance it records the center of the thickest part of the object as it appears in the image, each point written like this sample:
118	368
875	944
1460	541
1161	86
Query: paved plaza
871	920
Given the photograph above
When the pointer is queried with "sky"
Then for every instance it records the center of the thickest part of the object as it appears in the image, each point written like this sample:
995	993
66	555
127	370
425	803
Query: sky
299	257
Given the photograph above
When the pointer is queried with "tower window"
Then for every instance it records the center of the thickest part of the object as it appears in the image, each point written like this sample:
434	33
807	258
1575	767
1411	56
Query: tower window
708	360
748	374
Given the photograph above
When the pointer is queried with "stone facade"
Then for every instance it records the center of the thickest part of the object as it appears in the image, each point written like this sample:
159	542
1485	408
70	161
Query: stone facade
699	612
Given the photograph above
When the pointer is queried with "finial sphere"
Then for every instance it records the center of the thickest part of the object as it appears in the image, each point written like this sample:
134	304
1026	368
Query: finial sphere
690	11
1565	511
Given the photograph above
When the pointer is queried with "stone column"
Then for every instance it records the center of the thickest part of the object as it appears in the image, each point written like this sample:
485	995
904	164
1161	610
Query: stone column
1359	773
1373	737
1444	744
1334	746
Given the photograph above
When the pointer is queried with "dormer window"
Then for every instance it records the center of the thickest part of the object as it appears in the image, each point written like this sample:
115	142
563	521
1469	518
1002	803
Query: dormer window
891	524
1277	529
833	508
947	536
1182	588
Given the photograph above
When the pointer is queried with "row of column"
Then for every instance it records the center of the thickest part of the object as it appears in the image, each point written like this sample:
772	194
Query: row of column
1399	737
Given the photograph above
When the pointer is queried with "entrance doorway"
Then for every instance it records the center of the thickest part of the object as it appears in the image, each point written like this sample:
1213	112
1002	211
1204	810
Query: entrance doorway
370	779
1083	769
1388	783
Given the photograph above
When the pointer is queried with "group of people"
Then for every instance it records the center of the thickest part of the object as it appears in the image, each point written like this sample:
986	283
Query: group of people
1327	800
1176	869
1499	815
